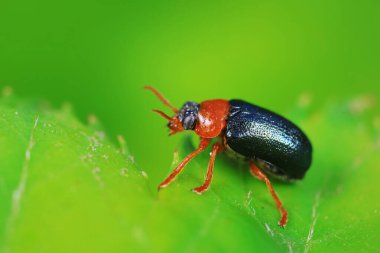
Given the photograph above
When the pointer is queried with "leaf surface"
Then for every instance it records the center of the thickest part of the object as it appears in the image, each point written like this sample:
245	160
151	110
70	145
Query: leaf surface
64	187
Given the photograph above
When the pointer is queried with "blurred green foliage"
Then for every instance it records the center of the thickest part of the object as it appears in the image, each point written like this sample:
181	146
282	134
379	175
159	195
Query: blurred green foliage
99	54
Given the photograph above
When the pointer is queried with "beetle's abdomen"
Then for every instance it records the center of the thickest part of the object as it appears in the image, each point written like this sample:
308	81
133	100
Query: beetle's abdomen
257	133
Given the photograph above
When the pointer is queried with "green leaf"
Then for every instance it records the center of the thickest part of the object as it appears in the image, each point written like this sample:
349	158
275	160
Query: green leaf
64	187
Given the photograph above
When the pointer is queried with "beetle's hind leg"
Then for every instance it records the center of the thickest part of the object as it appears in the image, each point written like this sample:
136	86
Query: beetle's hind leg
255	171
202	146
216	148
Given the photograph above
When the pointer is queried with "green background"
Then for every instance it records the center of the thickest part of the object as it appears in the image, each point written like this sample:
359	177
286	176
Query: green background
98	55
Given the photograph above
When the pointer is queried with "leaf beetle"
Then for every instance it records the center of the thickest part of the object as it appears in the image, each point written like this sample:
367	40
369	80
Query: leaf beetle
267	140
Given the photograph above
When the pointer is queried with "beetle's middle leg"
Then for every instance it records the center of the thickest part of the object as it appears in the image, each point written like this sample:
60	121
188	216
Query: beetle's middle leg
216	148
255	171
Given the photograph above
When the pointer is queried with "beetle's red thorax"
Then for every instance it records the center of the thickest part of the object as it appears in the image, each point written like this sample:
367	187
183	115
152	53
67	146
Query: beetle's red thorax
212	117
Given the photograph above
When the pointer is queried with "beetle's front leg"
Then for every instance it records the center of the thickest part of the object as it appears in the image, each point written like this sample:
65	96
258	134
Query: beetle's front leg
202	146
216	148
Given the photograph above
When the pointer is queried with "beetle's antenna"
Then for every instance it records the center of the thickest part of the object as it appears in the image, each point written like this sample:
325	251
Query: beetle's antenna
162	114
160	97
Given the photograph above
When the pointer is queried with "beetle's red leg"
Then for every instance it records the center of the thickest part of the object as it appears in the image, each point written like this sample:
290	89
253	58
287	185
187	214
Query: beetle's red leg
202	146
255	171
216	148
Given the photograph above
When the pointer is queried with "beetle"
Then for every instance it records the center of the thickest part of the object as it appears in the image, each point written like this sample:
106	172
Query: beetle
268	141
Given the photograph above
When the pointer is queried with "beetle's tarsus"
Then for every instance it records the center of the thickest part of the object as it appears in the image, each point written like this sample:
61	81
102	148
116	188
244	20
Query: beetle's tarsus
197	191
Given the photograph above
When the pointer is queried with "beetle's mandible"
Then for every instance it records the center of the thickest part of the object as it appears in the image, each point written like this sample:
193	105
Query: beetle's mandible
269	142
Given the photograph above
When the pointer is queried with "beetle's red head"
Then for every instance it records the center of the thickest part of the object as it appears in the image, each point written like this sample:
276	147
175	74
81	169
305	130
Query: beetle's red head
184	119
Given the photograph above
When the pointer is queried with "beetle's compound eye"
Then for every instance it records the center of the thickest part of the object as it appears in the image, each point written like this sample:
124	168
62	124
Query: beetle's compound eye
188	115
189	121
